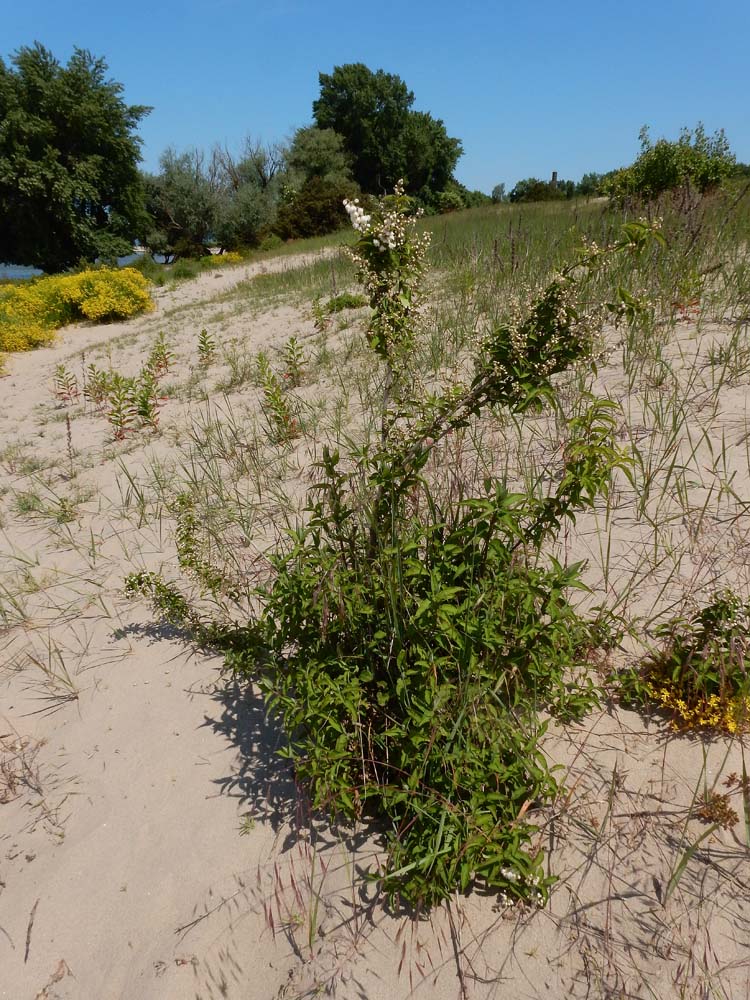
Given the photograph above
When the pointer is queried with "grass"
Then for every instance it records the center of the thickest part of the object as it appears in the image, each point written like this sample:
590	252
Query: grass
187	269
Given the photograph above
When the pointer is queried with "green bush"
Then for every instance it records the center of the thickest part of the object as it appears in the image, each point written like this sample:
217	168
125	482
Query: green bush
314	210
185	268
413	641
410	671
449	201
532	189
345	301
31	311
270	242
696	160
148	267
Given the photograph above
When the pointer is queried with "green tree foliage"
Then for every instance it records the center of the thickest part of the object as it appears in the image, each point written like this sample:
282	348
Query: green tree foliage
454	197
315	209
222	198
590	184
249	189
696	160
69	183
532	189
370	110
430	153
318	152
473	199
317	180
182	202
386	139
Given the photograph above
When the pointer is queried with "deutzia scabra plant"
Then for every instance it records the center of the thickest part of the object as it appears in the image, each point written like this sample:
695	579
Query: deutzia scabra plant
390	257
412	644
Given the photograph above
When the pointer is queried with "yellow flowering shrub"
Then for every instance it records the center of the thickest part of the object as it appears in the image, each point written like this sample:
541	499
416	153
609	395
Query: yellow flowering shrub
24	336
730	715
30	312
700	678
112	294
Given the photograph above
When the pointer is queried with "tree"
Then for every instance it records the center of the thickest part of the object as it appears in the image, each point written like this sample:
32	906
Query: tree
370	111
532	189
249	190
385	138
69	183
315	209
182	201
498	194
430	153
454	197
222	198
589	184
317	180
696	162
243	216
260	165
318	152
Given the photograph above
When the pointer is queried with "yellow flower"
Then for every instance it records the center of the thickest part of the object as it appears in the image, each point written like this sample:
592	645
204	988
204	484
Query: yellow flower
30	312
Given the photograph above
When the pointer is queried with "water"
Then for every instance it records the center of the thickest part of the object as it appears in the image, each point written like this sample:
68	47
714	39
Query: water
17	272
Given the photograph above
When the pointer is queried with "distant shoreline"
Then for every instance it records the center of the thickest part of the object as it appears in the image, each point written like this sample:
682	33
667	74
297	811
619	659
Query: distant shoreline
19	272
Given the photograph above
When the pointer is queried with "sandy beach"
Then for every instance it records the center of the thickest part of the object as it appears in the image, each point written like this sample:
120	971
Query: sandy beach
154	846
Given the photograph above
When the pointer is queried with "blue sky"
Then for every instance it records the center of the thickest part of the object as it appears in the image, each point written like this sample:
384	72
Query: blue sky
528	88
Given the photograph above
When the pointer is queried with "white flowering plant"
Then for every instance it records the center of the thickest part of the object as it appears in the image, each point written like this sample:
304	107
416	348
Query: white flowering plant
390	255
412	643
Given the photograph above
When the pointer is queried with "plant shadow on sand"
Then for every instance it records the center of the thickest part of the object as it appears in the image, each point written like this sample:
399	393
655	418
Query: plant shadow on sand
634	874
262	781
310	896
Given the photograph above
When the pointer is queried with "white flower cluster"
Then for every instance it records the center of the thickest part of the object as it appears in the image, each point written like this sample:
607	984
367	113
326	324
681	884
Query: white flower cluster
390	231
360	218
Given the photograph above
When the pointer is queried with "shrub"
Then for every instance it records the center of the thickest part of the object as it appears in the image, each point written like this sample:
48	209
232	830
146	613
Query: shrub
314	210
184	269
700	677
533	189
410	639
148	267
23	336
696	160
30	312
222	259
109	294
449	201
270	242
346	300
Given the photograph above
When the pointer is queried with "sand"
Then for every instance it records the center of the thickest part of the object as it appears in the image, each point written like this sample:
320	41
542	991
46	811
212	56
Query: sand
153	844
